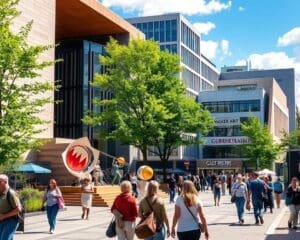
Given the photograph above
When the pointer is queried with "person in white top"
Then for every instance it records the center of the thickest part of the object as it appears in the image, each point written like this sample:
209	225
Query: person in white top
87	191
187	208
240	191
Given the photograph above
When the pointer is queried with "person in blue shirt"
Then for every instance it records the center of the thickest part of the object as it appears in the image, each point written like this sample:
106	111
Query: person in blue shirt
257	191
278	189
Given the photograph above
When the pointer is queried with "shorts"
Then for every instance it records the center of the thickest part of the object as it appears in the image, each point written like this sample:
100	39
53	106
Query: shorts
217	194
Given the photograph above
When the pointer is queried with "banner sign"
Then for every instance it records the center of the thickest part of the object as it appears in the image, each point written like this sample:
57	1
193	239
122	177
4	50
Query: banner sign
226	122
226	140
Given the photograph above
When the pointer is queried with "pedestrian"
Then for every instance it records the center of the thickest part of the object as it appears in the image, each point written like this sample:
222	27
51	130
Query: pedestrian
240	192
217	191
293	192
213	177
197	183
10	207
86	197
187	208
152	202
115	171
257	190
269	201
208	181
223	179
172	187
51	197
278	189
133	181
229	182
202	182
179	185
125	210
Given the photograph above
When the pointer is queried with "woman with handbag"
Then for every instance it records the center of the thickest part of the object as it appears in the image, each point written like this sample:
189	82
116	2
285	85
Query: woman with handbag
240	196
293	202
187	207
153	203
52	197
125	210
278	189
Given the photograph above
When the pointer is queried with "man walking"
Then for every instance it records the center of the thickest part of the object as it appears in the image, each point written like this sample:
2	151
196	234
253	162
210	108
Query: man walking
257	190
172	187
223	182
9	208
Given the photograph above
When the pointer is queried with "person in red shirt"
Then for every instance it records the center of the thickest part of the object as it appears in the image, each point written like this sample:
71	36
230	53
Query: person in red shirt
126	212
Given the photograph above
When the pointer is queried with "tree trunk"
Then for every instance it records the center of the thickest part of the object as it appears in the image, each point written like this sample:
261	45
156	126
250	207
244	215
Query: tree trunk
144	152
164	165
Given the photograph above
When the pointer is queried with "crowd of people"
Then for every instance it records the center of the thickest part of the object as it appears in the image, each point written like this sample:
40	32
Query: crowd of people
140	198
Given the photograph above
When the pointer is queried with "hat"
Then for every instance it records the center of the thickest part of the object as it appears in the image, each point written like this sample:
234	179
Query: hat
4	177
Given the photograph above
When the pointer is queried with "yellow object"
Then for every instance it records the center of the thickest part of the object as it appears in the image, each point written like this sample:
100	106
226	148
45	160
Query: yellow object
121	160
145	172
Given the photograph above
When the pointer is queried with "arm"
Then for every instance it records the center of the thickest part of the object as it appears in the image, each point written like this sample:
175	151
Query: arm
166	221
12	213
203	221
175	220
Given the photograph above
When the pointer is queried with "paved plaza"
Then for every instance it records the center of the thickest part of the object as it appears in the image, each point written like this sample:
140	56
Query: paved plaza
222	224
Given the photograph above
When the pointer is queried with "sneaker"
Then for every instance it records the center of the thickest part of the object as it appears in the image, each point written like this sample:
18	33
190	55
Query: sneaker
257	223
51	231
261	220
242	221
290	225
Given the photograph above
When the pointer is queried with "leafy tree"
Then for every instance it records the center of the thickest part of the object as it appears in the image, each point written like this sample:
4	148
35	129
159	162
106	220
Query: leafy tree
149	107
21	96
261	151
291	140
298	116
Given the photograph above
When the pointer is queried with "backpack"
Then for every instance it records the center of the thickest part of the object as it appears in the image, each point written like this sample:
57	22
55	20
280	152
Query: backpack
277	187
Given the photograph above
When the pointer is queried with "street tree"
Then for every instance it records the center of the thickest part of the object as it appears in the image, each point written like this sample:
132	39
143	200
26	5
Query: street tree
149	106
291	140
261	151
22	98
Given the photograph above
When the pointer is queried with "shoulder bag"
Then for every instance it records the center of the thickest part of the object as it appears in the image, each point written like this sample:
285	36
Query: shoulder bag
195	218
147	226
111	230
233	197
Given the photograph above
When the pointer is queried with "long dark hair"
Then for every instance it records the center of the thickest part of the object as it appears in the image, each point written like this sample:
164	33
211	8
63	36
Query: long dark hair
54	182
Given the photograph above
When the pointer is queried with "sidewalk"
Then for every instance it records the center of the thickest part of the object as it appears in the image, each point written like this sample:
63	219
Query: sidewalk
222	223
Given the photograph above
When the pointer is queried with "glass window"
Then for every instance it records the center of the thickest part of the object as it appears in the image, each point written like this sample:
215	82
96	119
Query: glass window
150	30
162	31
174	30
244	107
156	31
139	26
168	31
144	28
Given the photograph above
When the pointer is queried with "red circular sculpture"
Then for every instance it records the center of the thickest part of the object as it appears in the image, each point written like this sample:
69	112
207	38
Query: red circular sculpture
78	158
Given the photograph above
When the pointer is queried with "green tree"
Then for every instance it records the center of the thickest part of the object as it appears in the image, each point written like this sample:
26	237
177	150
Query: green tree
261	152
298	116
149	107
21	96
291	140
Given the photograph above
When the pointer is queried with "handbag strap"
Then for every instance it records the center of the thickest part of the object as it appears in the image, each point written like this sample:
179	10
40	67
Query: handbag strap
194	217
150	206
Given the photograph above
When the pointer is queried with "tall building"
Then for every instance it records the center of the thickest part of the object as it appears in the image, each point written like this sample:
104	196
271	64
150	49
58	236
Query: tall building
177	35
284	77
231	105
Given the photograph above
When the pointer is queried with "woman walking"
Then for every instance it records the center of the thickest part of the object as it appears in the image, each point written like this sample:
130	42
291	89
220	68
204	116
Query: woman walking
278	189
217	191
125	210
187	207
51	197
293	193
179	185
154	203
239	190
86	197
269	201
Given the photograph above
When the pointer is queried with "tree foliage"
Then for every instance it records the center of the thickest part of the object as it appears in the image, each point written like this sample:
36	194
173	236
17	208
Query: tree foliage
21	96
149	107
262	149
291	140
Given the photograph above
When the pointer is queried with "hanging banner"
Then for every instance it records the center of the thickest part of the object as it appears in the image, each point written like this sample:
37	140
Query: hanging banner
80	158
227	122
226	140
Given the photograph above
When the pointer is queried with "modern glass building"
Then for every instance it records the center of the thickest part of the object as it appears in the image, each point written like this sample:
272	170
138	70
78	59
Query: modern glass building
175	34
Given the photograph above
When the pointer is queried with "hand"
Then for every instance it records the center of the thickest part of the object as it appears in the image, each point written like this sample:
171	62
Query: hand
2	217
206	235
168	232
173	233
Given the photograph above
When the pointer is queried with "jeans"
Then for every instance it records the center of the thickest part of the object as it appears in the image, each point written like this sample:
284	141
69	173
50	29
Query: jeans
189	235
294	212
240	206
258	208
8	228
51	215
172	194
127	232
161	235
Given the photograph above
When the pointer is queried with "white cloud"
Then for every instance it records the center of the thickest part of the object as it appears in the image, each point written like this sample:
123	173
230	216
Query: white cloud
290	38
209	48
241	9
225	47
204	28
272	60
152	7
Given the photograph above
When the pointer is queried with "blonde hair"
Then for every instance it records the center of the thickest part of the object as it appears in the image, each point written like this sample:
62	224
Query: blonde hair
152	188
189	193
126	187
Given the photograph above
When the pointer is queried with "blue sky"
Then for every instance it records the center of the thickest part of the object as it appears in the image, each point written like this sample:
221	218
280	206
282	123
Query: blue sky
265	32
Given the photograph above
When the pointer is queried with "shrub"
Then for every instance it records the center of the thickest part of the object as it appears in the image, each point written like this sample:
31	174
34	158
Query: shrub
32	199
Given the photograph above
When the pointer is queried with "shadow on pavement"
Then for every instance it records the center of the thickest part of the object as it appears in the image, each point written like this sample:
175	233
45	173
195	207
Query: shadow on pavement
70	219
30	232
290	236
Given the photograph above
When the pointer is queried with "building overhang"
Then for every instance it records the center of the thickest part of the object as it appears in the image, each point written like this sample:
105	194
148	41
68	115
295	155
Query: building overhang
89	18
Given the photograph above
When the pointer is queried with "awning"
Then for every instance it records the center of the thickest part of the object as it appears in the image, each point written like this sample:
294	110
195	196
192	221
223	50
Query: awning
32	168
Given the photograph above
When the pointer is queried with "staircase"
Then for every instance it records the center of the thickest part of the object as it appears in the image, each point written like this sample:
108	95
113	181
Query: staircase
103	195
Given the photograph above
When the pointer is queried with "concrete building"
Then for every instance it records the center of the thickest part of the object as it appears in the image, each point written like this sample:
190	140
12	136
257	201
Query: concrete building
232	104
285	79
